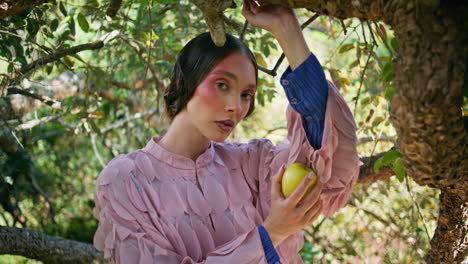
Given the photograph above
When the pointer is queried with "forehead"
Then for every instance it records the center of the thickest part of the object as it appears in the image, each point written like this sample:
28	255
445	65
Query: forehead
237	64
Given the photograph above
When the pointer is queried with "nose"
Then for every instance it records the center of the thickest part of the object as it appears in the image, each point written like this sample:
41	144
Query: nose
234	104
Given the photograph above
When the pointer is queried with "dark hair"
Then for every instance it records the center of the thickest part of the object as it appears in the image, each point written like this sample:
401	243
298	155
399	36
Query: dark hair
194	62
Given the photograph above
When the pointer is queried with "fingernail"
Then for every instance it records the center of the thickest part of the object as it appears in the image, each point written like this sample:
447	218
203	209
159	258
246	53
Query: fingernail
310	175
322	179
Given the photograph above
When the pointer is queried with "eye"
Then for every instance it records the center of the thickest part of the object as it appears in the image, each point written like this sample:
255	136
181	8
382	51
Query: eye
247	96
221	85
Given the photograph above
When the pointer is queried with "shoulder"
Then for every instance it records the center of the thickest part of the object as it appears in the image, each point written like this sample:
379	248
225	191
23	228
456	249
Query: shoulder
122	167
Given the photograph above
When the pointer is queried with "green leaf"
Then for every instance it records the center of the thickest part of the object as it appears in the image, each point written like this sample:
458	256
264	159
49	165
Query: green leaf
54	25
393	44
389	91
346	47
84	25
10	67
71	26
399	169
62	9
354	64
386	159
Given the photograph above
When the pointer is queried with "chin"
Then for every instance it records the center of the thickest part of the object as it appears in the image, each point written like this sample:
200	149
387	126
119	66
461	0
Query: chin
218	138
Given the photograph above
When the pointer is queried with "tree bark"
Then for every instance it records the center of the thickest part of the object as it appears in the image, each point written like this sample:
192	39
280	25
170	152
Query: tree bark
12	7
426	113
49	249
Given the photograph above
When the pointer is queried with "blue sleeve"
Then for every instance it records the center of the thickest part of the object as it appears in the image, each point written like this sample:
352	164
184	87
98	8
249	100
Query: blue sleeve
270	252
307	90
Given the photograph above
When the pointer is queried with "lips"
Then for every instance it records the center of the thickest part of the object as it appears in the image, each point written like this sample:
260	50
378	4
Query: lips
226	125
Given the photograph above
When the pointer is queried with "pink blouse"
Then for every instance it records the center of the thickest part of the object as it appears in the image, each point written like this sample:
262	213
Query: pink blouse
151	210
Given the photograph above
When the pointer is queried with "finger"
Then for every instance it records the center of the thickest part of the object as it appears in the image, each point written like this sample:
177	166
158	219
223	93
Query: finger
296	196
314	212
307	202
276	190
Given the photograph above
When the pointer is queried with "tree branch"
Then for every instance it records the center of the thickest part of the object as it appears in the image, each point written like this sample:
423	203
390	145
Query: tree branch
367	174
126	120
33	123
374	10
25	70
213	13
46	100
12	7
49	249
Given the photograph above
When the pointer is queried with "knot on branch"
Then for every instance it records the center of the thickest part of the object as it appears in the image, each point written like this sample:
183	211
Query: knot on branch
213	13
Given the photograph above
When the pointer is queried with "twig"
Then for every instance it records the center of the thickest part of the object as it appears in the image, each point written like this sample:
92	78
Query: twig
309	21
26	40
46	100
384	41
383	221
265	70
273	130
417	207
363	33
372	34
96	152
281	58
126	120
381	138
235	25
25	70
242	35
344	26
33	123
362	79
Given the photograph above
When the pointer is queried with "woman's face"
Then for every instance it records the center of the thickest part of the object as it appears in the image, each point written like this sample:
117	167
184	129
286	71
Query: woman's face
223	98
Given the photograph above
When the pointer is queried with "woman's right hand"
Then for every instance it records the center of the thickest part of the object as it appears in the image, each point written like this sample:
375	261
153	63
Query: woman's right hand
291	214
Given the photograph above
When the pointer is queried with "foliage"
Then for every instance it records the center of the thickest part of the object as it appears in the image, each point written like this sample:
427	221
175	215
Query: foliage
127	76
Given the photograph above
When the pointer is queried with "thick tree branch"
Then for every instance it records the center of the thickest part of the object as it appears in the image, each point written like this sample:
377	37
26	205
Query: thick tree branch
11	7
213	13
49	249
375	10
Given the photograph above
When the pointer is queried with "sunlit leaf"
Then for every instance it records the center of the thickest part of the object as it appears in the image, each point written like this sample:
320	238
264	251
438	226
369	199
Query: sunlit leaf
389	157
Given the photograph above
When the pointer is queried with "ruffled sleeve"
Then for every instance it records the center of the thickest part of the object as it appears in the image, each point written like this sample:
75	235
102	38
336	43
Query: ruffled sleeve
131	231
336	162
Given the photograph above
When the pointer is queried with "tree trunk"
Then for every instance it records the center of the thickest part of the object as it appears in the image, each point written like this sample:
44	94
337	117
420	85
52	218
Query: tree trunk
426	112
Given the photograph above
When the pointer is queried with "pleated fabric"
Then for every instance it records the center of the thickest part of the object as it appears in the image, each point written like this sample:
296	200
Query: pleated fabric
151	210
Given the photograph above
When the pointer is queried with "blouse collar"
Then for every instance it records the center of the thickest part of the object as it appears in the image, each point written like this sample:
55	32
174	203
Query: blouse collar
176	160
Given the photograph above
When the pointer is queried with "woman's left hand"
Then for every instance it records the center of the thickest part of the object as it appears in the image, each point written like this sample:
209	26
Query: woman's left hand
273	18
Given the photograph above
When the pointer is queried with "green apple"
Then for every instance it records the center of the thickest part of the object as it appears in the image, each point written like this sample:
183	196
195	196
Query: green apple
292	177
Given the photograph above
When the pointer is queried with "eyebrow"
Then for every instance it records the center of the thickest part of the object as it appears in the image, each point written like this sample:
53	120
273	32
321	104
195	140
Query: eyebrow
234	77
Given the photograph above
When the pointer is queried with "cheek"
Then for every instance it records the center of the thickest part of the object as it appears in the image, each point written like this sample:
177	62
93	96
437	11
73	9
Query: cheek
207	94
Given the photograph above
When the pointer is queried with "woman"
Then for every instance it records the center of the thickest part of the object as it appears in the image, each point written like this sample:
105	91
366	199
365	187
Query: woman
192	197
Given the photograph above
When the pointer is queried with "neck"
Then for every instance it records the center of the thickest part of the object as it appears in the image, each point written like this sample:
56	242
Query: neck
178	141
